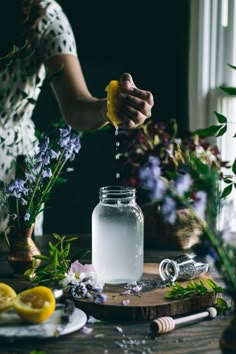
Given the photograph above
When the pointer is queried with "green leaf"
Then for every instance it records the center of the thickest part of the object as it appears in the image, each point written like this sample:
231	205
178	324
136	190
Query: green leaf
221	306
234	167
230	90
227	180
227	190
69	239
42	257
212	130
232	66
58	237
222	130
81	254
211	283
221	119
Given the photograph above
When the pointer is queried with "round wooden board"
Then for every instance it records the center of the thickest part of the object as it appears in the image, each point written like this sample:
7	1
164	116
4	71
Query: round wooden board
151	304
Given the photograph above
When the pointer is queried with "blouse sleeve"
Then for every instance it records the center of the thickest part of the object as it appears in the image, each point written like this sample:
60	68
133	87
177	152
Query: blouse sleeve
56	33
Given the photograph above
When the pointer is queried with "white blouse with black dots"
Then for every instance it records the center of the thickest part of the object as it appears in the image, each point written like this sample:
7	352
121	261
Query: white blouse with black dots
20	86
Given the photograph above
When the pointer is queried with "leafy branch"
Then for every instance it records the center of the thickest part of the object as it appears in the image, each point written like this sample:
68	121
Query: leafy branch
193	289
54	265
199	289
219	130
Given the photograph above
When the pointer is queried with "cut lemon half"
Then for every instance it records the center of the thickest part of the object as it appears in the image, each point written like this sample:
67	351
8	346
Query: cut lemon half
7	296
35	305
112	89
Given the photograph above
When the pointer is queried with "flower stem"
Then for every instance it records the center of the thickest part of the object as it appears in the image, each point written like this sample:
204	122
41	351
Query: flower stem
222	254
59	166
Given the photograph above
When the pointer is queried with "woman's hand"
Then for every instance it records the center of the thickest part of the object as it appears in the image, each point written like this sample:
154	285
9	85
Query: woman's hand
133	105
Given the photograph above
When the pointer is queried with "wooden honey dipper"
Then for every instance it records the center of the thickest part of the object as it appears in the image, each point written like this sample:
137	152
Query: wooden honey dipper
167	324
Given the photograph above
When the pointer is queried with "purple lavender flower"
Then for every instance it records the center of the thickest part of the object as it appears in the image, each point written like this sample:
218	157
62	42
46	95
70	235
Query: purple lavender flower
200	203
125	302
43	146
29	177
47	172
72	147
182	184
27	216
64	136
23	201
45	157
168	210
16	188
150	177
99	298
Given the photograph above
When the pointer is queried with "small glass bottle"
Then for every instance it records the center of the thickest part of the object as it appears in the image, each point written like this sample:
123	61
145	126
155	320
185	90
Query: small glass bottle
117	236
183	267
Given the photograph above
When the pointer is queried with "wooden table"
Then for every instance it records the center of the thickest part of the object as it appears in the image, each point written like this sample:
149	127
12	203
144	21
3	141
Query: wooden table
197	338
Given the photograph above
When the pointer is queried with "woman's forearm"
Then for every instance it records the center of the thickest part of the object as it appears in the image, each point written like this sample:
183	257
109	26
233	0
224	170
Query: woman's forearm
86	114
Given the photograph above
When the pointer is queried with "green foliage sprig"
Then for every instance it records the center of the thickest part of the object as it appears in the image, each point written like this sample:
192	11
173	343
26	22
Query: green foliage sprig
194	288
54	265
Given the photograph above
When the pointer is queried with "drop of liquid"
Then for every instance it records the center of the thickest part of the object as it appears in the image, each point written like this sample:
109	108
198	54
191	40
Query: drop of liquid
117	154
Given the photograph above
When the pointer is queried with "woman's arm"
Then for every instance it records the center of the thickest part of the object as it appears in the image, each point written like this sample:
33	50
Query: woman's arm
79	108
83	111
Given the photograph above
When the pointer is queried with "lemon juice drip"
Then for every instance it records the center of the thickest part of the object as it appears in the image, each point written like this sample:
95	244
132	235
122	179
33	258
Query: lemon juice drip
117	155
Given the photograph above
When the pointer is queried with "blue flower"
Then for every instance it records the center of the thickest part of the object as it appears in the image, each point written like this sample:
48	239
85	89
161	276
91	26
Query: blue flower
29	177
99	298
169	210
72	147
182	184
16	188
47	172
200	203
150	178
64	136
27	216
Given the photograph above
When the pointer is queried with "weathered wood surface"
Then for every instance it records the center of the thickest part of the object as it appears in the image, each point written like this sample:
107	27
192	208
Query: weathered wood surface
151	304
197	338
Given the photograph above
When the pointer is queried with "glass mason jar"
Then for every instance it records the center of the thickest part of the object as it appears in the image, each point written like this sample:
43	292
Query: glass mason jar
117	236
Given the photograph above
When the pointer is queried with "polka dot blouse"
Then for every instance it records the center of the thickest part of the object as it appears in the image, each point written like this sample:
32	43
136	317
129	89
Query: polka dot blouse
20	86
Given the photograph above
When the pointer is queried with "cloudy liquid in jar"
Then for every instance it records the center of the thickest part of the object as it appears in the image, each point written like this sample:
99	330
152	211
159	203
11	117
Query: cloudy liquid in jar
117	237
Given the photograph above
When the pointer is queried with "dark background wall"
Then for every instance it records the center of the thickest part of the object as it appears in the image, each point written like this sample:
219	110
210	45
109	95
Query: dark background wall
148	39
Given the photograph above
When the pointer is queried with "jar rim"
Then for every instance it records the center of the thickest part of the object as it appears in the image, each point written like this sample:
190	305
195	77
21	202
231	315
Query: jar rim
117	193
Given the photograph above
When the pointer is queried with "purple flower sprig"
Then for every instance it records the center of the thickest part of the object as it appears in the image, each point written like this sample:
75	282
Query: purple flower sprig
172	194
26	197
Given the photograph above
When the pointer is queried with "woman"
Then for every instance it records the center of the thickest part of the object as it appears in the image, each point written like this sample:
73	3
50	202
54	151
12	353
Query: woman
38	42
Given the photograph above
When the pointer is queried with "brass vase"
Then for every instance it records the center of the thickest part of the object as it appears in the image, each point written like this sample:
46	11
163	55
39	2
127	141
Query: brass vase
228	338
22	248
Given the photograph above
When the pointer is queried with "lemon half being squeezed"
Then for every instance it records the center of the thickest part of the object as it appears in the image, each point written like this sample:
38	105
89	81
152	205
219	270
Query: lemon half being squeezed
112	89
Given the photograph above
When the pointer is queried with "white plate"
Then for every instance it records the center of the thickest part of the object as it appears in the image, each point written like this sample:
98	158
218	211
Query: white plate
12	326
